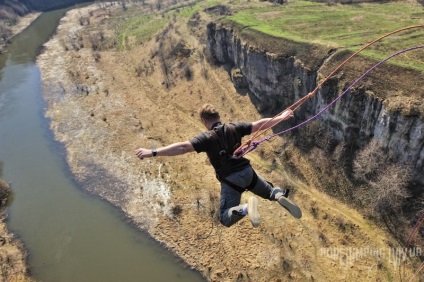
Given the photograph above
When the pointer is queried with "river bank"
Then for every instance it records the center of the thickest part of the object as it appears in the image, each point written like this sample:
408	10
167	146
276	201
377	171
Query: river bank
103	104
22	23
12	252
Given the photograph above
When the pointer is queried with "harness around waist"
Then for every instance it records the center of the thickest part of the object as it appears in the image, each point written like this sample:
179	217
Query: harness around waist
237	187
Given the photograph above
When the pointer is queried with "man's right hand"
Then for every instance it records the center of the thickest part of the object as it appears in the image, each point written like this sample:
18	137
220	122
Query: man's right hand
287	114
143	153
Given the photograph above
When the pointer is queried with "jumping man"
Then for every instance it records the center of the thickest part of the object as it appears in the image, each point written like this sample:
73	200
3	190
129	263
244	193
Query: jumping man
236	175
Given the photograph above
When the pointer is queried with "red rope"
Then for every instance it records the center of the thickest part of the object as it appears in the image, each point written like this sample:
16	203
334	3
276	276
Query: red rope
249	145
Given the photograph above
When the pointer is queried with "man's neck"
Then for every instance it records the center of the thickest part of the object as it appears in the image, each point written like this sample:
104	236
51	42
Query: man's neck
215	124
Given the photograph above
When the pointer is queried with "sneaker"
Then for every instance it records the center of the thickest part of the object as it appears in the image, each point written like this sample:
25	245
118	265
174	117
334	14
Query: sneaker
291	207
277	193
252	211
238	212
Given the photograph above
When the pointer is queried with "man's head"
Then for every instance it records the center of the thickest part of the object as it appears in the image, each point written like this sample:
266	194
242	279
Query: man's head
209	115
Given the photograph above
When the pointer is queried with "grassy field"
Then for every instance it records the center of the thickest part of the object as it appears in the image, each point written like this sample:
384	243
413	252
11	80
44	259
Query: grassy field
344	26
337	26
138	26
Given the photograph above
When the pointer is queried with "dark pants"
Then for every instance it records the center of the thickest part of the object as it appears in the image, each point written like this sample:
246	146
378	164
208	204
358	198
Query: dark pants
230	198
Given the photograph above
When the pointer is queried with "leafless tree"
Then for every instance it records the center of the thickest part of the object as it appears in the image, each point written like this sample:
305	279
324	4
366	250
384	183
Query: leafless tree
387	181
389	190
369	161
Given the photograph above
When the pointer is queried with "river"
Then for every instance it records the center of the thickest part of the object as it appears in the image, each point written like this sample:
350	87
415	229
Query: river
70	234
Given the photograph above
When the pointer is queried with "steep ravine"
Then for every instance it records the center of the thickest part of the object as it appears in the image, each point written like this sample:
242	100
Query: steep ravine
107	110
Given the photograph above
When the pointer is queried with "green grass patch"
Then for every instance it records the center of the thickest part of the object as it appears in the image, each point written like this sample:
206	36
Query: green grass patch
135	29
344	26
138	29
188	11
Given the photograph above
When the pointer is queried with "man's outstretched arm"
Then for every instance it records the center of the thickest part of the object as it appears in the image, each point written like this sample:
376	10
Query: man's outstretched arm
175	149
267	123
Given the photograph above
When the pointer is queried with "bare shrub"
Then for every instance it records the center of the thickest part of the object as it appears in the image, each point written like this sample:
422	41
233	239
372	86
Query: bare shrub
314	212
145	68
158	5
63	44
139	70
389	190
96	56
188	73
341	224
387	182
75	76
323	239
165	69
74	41
162	57
176	211
84	21
339	156
205	73
96	40
4	191
214	206
325	140
369	161
108	43
306	137
124	5
5	32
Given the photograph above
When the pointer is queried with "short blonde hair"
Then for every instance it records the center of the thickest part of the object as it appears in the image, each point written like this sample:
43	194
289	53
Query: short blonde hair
209	113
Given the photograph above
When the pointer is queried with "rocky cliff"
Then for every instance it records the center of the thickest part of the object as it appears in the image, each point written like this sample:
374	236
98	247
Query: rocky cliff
278	72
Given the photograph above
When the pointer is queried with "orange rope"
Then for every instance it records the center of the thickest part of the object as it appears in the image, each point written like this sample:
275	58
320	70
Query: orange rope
298	103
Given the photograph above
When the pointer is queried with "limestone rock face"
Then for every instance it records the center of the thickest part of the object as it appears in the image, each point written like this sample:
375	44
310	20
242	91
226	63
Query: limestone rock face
278	80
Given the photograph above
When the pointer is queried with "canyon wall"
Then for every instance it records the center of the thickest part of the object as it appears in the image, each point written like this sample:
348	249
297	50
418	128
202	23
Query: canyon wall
275	80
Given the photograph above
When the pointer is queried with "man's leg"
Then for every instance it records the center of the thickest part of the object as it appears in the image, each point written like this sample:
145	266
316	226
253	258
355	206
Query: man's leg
267	191
230	210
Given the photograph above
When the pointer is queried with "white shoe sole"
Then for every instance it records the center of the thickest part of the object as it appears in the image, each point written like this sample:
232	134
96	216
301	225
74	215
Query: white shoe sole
252	211
291	207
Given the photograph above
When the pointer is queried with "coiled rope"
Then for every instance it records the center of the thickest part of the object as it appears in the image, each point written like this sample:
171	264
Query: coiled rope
251	145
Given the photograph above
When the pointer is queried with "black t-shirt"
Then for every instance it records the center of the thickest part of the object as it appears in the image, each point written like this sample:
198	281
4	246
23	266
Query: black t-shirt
206	142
